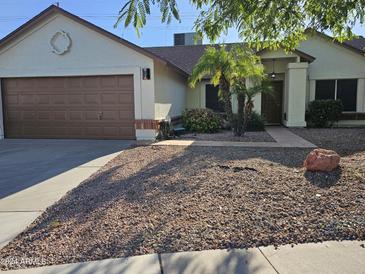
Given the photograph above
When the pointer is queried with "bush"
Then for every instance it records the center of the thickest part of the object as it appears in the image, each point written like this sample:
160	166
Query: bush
255	123
201	120
165	131
324	113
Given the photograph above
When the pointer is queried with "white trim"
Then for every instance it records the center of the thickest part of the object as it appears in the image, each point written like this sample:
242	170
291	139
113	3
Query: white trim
1	114
145	134
359	92
53	42
360	95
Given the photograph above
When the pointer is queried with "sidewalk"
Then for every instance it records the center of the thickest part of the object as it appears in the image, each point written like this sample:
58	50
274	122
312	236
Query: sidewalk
346	257
283	138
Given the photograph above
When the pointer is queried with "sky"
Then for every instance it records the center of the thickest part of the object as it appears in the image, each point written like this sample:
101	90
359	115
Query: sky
14	13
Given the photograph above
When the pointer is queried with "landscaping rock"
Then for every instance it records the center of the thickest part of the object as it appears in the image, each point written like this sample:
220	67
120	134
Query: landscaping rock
322	160
168	199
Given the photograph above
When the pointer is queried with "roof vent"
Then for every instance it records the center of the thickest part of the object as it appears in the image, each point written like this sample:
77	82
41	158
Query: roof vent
185	39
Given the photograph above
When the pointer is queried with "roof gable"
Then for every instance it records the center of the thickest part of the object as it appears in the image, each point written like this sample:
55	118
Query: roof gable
355	45
53	10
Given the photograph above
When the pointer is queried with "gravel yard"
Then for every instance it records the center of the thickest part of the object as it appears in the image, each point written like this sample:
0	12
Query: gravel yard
226	135
344	141
167	199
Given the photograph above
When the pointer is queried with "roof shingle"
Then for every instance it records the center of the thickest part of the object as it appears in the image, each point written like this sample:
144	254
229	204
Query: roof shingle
186	57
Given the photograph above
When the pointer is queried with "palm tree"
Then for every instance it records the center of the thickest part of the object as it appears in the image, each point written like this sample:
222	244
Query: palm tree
218	64
245	97
225	67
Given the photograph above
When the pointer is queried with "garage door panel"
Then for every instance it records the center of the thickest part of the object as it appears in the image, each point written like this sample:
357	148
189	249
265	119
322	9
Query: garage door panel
75	115
111	131
28	115
110	82
70	107
91	116
75	99
125	81
57	83
92	83
44	99
60	115
110	115
111	98
92	99
94	131
75	131
27	99
15	130
11	100
74	82
14	116
44	115
124	114
58	99
125	98
21	84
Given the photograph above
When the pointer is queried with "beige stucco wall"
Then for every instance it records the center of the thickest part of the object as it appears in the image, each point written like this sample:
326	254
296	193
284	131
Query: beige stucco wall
195	97
334	62
90	54
170	92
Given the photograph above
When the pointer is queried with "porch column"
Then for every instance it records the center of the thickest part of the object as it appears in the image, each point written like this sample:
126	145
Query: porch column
294	108
360	107
1	115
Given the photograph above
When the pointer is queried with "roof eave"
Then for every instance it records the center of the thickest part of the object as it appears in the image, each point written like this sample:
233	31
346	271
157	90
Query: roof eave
302	54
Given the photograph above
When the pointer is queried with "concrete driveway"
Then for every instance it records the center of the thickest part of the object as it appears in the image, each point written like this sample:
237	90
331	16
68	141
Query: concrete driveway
34	174
24	163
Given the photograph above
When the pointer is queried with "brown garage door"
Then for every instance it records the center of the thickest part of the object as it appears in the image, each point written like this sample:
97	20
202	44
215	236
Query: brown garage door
95	107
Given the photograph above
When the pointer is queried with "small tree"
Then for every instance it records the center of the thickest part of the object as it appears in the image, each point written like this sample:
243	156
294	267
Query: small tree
225	67
264	23
219	65
245	96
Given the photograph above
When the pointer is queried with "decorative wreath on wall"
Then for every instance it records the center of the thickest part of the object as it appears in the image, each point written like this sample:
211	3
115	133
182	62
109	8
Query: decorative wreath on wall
60	42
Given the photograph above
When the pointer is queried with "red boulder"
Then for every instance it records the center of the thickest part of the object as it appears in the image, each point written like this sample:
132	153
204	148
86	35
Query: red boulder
322	160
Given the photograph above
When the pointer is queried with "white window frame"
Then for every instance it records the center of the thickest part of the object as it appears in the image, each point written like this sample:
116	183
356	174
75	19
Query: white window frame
357	82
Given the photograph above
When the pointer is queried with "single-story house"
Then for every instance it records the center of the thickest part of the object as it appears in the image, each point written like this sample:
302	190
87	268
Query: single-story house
63	77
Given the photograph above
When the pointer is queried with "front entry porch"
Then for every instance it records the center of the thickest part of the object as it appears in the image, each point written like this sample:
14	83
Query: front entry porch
286	104
287	71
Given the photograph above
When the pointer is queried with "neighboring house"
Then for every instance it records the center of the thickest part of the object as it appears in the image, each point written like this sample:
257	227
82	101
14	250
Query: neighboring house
63	77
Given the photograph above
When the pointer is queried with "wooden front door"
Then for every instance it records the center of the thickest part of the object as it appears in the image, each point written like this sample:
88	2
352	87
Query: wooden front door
272	104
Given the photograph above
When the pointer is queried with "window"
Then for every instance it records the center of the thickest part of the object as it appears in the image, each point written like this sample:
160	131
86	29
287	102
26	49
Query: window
212	100
344	90
325	89
347	93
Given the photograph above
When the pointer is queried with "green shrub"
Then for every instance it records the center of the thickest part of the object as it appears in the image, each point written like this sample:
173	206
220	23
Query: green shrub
165	131
201	120
255	123
324	113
